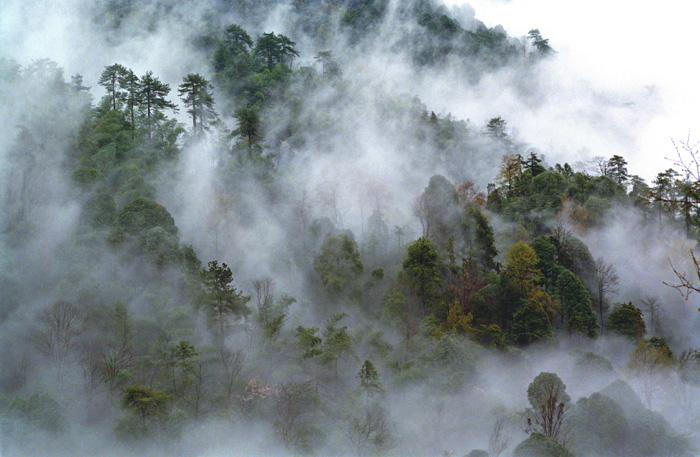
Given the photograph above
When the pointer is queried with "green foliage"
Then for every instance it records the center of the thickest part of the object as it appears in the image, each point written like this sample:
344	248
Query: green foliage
422	267
626	319
485	241
220	297
369	379
576	305
599	427
453	363
40	411
145	401
530	323
338	264
196	93
538	445
142	214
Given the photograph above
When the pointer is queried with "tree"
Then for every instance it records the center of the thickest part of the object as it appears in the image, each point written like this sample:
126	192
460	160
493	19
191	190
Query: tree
626	319
422	266
607	280
220	298
576	305
533	164
617	170
541	45
145	401
485	241
152	96
521	267
195	91
294	408
338	264
369	430
271	49
58	334
248	126
549	400
111	79
530	323
132	93
369	379
496	129
649	359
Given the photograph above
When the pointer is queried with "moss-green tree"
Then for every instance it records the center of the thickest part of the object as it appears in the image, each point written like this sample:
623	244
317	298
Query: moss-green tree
338	264
549	400
626	319
422	267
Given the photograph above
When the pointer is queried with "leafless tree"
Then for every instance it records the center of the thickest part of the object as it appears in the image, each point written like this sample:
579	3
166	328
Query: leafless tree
499	438
369	430
58	334
329	197
263	291
651	307
233	362
607	280
421	211
294	405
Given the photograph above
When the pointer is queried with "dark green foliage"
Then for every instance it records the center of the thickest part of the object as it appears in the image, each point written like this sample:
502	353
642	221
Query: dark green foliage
369	379
422	266
626	319
538	445
196	93
547	260
576	305
485	242
152	95
530	324
220	297
146	402
143	214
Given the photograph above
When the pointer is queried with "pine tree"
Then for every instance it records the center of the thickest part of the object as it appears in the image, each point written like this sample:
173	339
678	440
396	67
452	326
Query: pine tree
195	92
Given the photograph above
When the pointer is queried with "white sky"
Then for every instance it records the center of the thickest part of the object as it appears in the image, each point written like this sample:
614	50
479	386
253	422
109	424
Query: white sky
618	46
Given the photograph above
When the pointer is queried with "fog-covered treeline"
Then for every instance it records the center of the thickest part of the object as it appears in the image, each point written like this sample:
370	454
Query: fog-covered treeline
253	231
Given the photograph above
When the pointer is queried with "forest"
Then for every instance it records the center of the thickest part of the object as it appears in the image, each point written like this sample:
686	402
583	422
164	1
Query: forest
261	245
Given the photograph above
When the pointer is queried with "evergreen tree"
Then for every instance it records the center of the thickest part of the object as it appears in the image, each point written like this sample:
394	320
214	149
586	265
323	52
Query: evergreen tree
152	96
111	80
576	305
195	92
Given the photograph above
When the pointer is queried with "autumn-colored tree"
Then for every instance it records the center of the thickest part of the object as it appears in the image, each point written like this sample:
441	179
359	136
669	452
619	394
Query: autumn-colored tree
521	267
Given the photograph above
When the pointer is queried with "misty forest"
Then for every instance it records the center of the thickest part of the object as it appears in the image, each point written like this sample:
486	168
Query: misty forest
250	228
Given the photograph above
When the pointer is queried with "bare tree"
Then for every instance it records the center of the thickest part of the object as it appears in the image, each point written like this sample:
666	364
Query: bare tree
499	439
607	280
232	362
651	306
58	334
421	211
369	430
294	407
685	285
